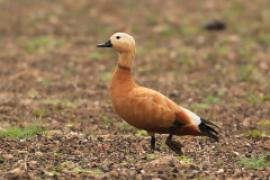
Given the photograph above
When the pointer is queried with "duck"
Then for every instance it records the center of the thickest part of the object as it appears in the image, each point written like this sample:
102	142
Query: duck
148	109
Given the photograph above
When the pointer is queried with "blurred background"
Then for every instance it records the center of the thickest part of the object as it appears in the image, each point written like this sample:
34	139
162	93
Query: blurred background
211	56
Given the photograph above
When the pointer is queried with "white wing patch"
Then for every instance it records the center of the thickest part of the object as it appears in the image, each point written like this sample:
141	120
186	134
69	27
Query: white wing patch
195	118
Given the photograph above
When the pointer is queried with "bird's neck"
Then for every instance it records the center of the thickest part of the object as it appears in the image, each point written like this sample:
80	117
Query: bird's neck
122	77
125	60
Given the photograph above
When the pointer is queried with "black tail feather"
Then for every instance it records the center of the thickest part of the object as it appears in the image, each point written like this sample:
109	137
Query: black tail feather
209	123
207	130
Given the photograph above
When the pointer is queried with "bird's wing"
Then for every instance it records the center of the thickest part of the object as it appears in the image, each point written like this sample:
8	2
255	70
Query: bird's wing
151	108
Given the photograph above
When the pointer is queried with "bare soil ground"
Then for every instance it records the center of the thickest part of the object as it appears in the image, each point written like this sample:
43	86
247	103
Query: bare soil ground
54	80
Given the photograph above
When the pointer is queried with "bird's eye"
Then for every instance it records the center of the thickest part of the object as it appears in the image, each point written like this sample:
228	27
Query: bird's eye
117	37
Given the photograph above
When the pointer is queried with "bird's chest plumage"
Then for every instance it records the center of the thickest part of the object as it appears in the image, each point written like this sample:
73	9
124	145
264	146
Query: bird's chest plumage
137	108
121	86
124	100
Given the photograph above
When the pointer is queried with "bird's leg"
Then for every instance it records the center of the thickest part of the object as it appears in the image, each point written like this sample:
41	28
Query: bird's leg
153	142
172	145
169	139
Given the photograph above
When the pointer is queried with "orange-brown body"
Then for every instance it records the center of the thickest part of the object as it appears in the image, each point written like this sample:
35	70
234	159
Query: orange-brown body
145	108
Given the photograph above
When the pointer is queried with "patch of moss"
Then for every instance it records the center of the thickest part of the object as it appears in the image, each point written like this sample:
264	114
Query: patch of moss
96	56
185	159
37	43
106	119
58	102
141	133
40	113
255	133
123	126
264	123
20	133
94	172
106	76
254	162
32	93
151	156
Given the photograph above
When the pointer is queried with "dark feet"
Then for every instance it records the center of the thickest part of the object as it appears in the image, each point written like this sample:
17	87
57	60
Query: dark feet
153	142
176	147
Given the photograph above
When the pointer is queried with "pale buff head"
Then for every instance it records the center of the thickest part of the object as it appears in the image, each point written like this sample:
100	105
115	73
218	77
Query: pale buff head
121	42
124	44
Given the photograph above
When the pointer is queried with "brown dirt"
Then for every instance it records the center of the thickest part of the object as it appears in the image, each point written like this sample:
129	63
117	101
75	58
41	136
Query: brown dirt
52	74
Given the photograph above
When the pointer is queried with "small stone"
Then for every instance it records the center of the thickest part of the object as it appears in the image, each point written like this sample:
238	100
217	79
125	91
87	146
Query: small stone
220	171
14	173
38	153
236	153
7	156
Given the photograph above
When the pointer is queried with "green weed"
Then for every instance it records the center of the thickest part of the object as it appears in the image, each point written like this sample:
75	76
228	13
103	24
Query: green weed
141	133
255	133
199	106
106	120
20	133
32	93
245	72
58	102
264	123
185	159
123	126
45	82
94	172
38	43
96	56
106	76
254	162
263	39
151	156
40	113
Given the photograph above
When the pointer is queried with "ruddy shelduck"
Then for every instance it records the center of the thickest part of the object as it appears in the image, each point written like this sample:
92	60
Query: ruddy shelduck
145	108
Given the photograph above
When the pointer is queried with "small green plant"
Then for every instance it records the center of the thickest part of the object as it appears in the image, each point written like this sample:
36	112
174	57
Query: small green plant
123	126
106	119
212	99
264	123
39	112
184	57
131	160
245	72
41	42
263	39
94	172
254	98
32	93
151	156
167	31
223	51
20	133
96	56
185	159
141	133
199	106
188	31
58	102
151	20
209	100
254	162
45	82
106	76
255	133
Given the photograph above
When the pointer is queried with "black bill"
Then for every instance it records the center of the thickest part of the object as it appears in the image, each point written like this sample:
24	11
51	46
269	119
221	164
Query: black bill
106	44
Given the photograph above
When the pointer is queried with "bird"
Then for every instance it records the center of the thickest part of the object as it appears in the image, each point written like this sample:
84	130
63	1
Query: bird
215	25
145	108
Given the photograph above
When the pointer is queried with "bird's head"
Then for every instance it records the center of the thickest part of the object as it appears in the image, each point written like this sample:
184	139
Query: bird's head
121	42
